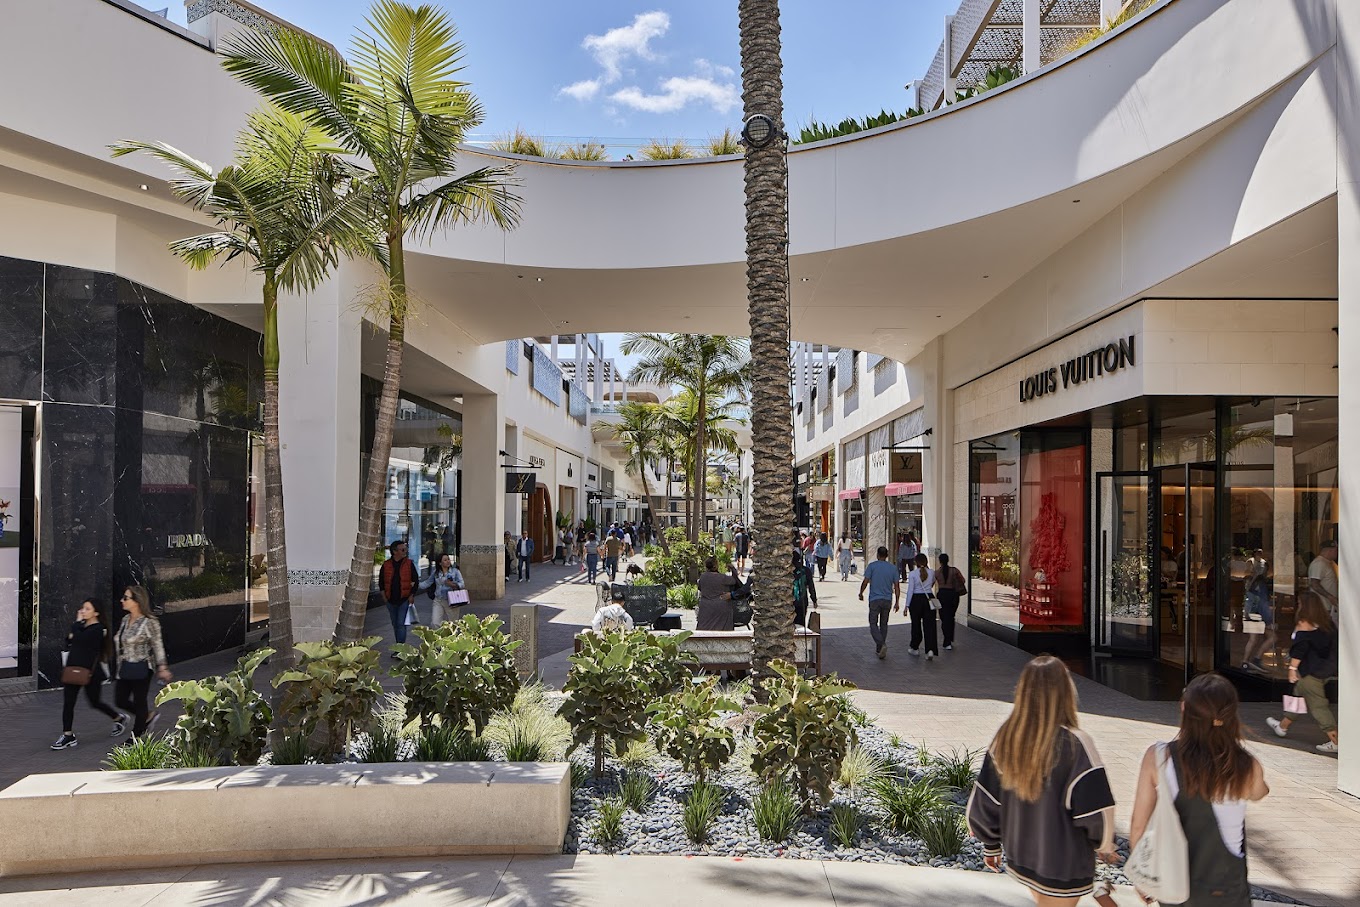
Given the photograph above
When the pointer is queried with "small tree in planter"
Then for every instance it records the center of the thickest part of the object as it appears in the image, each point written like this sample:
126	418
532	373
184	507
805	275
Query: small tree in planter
803	731
332	686
460	673
612	680
224	718
689	728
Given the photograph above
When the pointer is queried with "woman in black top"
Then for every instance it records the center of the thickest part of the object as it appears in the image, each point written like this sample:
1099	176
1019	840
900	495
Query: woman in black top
1312	662
88	646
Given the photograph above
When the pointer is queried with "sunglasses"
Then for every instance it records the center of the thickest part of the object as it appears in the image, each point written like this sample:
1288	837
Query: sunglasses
129	598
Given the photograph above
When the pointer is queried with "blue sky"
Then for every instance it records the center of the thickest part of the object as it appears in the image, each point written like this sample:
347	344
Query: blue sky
626	72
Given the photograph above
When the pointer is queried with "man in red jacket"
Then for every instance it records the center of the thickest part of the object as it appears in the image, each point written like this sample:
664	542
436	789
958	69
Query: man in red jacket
399	580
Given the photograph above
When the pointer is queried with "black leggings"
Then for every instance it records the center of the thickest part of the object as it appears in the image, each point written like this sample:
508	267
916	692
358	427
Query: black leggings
130	696
71	693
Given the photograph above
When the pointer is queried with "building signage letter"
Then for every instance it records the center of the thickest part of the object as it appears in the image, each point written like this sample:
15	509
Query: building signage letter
1098	362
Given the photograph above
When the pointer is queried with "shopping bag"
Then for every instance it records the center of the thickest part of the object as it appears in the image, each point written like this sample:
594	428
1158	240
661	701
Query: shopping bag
410	615
1296	705
458	597
1159	864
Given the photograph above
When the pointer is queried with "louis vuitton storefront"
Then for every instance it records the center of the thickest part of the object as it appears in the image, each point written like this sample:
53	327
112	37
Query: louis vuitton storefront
1150	499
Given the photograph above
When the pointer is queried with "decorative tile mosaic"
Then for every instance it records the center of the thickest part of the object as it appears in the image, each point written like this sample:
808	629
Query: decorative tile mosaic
845	370
547	377
317	577
512	355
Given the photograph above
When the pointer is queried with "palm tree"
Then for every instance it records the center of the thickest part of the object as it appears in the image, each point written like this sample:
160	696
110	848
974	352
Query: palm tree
767	292
711	368
399	111
639	430
279	205
715	426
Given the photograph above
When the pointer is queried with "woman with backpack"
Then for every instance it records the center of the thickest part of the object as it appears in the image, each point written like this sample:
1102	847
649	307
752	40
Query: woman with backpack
950	586
1312	663
140	653
89	645
1042	797
1210	777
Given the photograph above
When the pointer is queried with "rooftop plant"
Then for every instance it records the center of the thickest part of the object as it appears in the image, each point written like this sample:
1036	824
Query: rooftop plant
666	150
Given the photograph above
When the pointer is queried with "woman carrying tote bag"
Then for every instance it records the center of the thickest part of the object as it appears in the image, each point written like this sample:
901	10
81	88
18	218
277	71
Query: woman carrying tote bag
1209	777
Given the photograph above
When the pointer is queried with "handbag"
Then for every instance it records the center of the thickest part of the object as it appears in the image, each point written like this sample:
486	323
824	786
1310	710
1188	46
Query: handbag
75	675
1159	865
134	670
458	597
1296	705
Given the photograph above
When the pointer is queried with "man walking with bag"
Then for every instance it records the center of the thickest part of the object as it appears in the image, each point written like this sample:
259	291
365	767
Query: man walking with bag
880	578
399	579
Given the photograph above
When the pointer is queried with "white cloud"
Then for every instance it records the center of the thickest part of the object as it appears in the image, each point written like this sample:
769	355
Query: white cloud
613	48
583	90
679	91
713	70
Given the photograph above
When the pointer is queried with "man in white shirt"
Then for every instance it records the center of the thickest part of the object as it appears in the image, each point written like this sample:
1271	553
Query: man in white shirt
1322	578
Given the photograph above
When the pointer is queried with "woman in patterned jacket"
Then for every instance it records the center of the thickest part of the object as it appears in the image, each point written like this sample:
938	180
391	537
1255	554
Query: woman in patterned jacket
140	653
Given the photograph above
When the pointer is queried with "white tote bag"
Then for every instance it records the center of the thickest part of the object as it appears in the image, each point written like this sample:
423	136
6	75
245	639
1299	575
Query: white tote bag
1160	863
458	597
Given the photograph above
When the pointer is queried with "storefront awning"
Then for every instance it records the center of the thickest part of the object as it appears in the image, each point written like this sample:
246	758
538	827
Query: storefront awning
849	494
893	489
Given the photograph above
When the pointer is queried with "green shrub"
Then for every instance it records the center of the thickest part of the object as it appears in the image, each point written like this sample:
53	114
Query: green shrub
943	832
638	755
909	804
460	672
702	806
437	743
382	745
529	735
776	812
860	768
187	755
332	687
612	680
637	790
684	596
467	748
143	752
803	731
650	551
292	749
845	824
608	827
956	768
688	726
224	717
580	773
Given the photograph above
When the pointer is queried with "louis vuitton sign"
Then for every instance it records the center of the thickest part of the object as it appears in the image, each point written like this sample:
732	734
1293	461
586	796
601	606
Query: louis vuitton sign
1096	364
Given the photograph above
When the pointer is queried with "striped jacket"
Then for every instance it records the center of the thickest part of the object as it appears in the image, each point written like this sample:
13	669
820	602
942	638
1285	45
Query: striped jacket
1050	844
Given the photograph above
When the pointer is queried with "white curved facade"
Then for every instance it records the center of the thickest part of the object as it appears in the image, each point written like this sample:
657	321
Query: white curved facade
1201	152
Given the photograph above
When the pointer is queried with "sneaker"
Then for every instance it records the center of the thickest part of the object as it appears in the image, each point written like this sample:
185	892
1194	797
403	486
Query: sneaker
949	647
930	656
1279	729
882	651
1328	747
913	651
65	741
119	726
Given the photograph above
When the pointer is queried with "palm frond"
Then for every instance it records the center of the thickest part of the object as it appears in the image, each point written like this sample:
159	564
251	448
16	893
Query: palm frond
201	251
482	196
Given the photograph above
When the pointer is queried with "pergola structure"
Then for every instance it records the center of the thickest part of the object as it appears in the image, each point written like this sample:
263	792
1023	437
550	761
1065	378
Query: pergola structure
1025	34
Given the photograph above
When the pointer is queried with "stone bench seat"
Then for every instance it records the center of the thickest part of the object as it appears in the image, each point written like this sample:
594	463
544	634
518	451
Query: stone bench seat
193	816
732	650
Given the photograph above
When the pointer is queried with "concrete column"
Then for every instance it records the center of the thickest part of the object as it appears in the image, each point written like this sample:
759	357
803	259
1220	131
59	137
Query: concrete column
319	421
613	371
1348	406
552	349
937	463
950	83
512	501
599	375
1029	37
481	557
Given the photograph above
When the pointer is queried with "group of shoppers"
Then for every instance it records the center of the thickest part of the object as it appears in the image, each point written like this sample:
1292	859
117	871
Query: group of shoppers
928	591
400	582
1042	800
132	655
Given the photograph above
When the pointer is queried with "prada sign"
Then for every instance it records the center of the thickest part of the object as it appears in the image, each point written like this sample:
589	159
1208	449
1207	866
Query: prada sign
1099	362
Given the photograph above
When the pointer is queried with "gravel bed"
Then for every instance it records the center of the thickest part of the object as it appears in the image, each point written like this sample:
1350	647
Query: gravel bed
659	829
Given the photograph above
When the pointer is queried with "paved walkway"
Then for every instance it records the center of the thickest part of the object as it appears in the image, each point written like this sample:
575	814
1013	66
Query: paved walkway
1303	839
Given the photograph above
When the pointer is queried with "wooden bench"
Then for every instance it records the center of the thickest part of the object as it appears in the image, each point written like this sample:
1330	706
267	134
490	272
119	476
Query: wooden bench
194	816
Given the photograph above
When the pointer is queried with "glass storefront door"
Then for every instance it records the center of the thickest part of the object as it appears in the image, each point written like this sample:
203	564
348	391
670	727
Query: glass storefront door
1188	573
1124	567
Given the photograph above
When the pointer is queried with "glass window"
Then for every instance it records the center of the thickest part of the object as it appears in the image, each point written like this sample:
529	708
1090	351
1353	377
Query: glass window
994	523
1052	529
1280	478
1185	431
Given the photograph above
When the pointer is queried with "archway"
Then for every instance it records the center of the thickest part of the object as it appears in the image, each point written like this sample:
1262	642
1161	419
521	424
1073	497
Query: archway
541	523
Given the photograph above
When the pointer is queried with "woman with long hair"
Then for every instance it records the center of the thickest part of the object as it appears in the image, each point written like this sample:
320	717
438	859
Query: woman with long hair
920	607
88	647
140	653
1042	797
1312	662
822	552
1210	776
845	556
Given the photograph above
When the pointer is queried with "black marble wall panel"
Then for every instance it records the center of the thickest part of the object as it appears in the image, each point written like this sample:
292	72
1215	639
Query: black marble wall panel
74	550
80	329
21	326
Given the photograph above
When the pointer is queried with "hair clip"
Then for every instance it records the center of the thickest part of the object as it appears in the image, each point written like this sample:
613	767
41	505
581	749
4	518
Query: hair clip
1218	722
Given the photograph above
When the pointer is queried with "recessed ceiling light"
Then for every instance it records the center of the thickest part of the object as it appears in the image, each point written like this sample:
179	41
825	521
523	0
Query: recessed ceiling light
1076	201
985	276
144	187
538	279
804	279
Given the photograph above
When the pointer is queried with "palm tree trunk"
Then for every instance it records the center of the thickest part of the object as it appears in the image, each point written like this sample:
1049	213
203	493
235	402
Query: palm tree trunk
276	556
767	205
349	628
700	467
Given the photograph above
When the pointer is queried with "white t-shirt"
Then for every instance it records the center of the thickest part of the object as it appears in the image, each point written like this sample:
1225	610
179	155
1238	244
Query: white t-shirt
918	586
1231	814
1324	571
